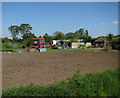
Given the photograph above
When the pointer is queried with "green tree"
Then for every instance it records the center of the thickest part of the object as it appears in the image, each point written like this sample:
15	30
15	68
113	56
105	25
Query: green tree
80	31
26	43
70	35
25	28
40	36
15	39
4	40
86	32
28	35
26	39
87	39
110	37
47	38
115	44
14	30
58	35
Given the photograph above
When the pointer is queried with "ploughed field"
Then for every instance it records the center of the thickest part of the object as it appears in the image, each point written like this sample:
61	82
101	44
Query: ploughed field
50	67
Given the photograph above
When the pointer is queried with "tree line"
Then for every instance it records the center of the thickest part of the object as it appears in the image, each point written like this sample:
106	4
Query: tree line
26	35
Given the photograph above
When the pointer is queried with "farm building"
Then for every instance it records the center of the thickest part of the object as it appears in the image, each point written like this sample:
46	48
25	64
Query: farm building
61	43
54	42
76	45
103	41
88	44
68	44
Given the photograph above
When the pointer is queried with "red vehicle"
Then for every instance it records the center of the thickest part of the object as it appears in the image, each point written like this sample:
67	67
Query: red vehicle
38	43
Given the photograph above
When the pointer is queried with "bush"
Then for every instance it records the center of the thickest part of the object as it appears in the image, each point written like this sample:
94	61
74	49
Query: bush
106	49
82	46
97	47
116	44
10	45
90	84
89	47
95	84
16	45
7	45
26	43
6	50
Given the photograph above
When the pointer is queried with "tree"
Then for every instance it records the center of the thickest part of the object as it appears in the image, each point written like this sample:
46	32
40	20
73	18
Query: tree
25	28
26	39
4	40
110	37
69	35
87	39
14	30
40	36
28	35
86	32
58	35
115	44
15	39
26	42
80	31
47	38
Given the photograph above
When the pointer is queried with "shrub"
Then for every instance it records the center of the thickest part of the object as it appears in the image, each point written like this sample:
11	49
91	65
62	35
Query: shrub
97	47
90	84
7	45
116	44
16	45
26	42
82	46
10	45
106	49
89	47
6	50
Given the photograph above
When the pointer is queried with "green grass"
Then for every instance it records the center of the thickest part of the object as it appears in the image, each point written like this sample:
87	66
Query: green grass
89	49
104	83
52	50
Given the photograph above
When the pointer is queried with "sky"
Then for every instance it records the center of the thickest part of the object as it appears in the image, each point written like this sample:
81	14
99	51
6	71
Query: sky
99	18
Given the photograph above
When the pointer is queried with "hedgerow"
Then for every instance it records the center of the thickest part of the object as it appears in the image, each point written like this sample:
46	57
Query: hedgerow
90	84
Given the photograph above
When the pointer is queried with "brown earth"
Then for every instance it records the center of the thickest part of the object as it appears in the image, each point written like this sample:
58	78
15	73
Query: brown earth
49	67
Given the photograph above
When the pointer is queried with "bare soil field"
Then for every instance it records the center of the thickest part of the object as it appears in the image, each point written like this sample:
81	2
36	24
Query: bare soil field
50	67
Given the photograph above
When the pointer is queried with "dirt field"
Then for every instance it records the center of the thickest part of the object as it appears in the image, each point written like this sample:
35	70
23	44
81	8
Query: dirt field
49	67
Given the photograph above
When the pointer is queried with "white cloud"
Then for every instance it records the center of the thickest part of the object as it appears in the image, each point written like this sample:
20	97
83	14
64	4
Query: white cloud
103	23
115	22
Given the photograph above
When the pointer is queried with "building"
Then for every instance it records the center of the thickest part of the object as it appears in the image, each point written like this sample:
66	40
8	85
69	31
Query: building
103	41
69	44
76	45
54	42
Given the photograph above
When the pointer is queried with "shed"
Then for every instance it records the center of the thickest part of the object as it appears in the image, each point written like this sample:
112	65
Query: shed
101	42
